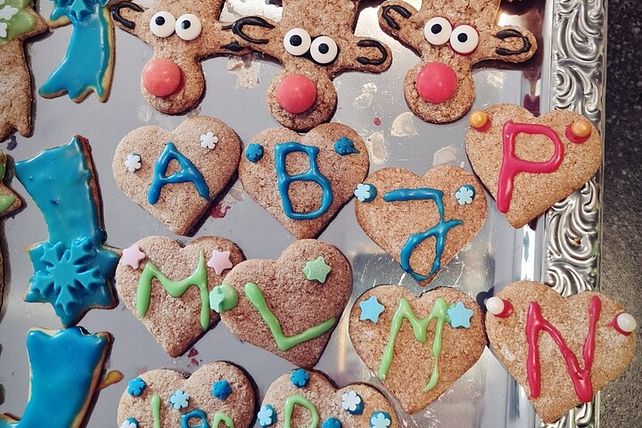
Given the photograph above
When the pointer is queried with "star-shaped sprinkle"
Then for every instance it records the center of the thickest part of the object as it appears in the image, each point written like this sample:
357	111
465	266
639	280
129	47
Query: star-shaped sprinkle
209	140
316	270
220	261
371	309
132	256
459	315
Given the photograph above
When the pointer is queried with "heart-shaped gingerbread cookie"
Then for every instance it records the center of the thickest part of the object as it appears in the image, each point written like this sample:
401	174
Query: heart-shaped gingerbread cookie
175	175
418	347
168	286
305	398
422	222
528	163
304	181
288	306
217	394
561	350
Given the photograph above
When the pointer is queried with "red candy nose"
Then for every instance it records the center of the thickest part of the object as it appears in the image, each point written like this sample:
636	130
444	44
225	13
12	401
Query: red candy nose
436	82
296	93
162	77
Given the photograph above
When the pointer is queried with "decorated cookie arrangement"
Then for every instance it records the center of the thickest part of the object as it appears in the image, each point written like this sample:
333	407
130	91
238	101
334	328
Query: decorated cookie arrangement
18	23
422	221
561	350
168	286
217	394
175	175
529	163
308	398
304	181
451	37
315	41
418	347
288	306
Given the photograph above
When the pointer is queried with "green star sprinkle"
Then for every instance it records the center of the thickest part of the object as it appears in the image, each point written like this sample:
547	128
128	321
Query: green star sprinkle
316	270
223	298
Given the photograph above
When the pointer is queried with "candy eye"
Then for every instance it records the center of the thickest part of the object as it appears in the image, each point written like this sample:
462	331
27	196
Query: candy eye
162	24
297	41
464	39
188	27
324	50
437	31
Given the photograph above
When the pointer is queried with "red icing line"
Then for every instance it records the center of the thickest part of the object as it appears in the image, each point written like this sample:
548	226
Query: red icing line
581	377
508	310
512	165
617	328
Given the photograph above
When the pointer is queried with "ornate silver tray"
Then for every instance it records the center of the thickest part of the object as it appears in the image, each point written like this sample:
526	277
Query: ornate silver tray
562	248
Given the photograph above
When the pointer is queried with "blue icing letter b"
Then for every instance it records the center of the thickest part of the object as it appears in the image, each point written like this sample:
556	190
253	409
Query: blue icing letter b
284	180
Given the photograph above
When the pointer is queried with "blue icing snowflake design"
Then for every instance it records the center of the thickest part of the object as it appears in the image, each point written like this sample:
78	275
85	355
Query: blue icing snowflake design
87	65
299	378
221	389
136	386
267	415
254	152
179	400
64	368
345	146
72	268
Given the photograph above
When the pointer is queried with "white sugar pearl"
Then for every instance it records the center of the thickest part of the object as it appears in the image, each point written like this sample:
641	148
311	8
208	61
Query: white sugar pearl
495	305
626	322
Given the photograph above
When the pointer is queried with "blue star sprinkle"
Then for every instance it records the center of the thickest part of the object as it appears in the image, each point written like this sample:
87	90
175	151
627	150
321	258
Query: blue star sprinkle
371	309
299	378
459	315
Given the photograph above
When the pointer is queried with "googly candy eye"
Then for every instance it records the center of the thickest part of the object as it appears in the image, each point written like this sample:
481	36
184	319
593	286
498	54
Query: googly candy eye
464	39
324	50
437	31
297	41
162	24
188	27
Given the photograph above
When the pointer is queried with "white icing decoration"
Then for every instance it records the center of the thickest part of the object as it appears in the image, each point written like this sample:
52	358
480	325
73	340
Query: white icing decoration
133	162
209	140
626	322
495	305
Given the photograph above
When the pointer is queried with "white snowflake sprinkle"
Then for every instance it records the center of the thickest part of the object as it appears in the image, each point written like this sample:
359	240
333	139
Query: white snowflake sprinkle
209	140
132	163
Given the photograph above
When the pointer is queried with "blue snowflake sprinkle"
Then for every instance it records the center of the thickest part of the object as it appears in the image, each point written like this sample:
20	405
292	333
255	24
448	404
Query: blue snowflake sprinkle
267	415
179	400
331	423
380	420
345	146
135	387
221	390
352	403
465	194
365	192
254	152
129	423
299	378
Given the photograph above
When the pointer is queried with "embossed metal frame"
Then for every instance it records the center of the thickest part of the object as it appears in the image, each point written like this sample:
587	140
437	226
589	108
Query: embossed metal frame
573	226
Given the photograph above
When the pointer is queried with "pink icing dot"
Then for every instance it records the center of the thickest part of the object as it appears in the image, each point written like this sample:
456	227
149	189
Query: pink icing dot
436	82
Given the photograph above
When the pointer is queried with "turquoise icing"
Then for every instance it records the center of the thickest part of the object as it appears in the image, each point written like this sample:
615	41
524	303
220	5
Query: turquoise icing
90	51
63	366
187	173
439	231
71	268
345	146
187	419
284	180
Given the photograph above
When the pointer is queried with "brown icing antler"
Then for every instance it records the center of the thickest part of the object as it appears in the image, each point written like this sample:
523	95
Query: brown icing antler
451	37
182	34
314	41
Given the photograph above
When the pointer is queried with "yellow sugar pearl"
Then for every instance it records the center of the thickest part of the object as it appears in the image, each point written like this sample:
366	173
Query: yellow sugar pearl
479	119
581	128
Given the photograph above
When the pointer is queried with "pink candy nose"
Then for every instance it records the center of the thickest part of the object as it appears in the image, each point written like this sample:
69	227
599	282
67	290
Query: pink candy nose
162	77
296	93
436	82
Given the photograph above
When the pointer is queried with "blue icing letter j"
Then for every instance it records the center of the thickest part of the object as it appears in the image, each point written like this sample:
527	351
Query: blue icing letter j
72	268
65	367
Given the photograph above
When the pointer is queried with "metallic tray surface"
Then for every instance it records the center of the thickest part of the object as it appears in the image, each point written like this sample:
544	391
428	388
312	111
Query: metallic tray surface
562	248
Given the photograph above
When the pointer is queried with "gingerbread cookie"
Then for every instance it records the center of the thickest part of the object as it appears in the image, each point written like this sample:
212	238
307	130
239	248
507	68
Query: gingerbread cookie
422	222
9	204
304	181
18	23
451	37
73	268
287	306
168	286
66	367
560	350
529	163
182	34
88	64
305	398
417	361
175	175
315	41
217	394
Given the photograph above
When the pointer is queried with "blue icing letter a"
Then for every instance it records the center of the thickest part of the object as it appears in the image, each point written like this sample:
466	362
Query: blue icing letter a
284	180
187	174
72	268
438	231
65	366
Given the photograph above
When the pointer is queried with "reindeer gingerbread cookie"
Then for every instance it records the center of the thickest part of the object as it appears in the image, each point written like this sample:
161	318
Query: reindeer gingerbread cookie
314	41
18	23
451	37
182	34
